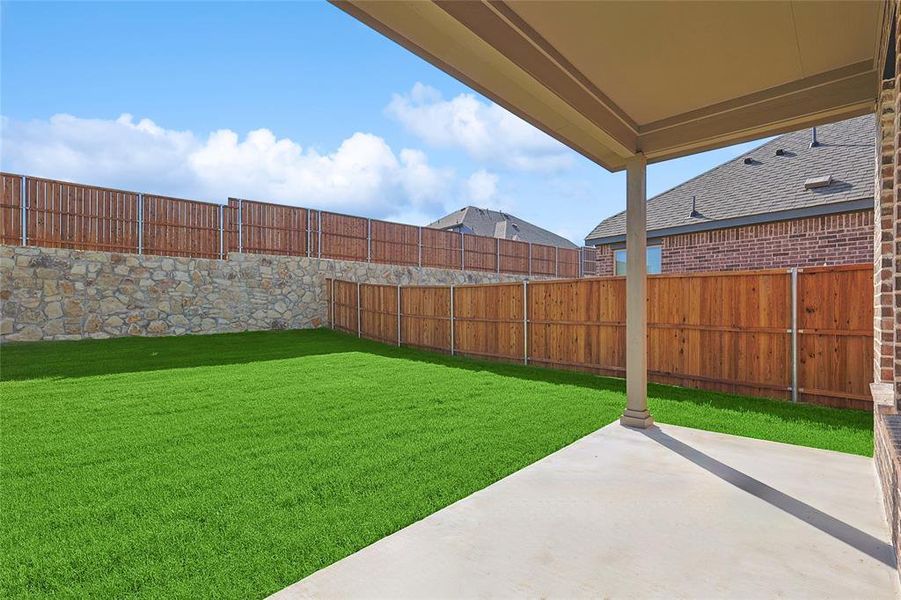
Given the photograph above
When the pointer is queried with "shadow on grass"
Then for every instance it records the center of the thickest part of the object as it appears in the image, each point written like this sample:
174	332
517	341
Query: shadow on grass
41	360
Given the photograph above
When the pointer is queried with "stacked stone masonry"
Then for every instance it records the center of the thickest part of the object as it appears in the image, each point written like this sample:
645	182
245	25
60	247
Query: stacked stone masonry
59	294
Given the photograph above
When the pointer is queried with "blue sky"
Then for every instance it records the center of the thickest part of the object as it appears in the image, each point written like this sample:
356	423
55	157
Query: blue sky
289	102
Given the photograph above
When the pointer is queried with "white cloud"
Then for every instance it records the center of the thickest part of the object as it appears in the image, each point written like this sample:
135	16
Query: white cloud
363	175
487	132
481	187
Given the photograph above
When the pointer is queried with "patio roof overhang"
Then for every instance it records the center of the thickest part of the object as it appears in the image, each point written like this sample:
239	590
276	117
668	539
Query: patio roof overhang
625	83
612	79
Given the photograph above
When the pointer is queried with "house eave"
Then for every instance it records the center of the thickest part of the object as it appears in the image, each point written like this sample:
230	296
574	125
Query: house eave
770	217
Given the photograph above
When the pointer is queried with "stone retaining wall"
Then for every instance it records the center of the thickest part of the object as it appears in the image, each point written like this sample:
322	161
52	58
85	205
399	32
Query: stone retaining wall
59	294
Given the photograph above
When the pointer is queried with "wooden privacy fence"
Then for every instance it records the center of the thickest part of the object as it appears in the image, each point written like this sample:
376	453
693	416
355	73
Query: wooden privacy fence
59	214
803	334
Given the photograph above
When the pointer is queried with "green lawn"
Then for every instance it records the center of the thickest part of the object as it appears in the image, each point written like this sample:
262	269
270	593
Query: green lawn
233	465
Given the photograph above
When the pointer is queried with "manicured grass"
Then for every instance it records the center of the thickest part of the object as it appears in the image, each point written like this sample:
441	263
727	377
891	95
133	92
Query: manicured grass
230	466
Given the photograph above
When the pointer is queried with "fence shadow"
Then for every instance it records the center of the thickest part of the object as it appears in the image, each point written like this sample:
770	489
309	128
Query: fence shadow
40	360
86	358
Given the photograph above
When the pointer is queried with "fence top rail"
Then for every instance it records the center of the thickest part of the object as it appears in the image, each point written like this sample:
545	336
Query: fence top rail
201	202
827	269
233	201
73	183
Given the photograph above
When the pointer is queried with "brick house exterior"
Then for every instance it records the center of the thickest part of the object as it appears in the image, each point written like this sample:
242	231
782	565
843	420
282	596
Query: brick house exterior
754	228
886	385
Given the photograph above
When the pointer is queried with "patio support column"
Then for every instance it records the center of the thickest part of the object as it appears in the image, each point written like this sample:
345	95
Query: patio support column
636	413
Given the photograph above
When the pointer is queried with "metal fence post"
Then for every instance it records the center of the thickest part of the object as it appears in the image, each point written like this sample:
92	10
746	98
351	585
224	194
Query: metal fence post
221	232
140	223
398	314
309	240
240	226
525	322
368	240
794	333
462	252
319	234
331	301
420	247
359	312
452	320
23	205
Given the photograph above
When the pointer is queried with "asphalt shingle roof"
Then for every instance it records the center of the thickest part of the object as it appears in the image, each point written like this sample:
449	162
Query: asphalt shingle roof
771	183
492	223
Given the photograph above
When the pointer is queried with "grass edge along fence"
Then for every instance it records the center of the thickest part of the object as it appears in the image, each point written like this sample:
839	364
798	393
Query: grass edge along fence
802	334
36	211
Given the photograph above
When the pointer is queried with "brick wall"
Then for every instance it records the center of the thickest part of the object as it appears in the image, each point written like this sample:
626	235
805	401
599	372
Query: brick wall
605	260
883	269
814	241
887	298
892	251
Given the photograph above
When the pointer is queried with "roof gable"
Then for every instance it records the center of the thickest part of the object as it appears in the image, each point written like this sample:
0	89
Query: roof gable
497	224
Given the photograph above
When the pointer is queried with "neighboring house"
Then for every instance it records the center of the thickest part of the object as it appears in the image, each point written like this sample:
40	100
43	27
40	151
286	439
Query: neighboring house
791	202
501	225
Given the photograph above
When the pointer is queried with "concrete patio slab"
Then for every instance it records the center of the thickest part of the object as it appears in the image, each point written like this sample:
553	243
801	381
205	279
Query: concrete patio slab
666	513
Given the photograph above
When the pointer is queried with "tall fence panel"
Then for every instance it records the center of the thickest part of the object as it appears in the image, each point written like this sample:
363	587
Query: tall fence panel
271	228
67	215
728	331
441	249
341	236
480	253
426	317
579	324
11	209
544	260
835	334
177	227
514	256
393	243
343	306
379	312
588	256
490	321
568	263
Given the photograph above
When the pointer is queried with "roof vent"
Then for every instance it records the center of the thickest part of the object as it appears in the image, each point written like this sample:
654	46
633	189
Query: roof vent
780	152
813	142
818	182
694	211
749	160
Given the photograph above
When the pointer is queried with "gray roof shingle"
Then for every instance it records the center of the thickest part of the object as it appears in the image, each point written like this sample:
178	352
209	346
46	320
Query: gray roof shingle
492	223
770	184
